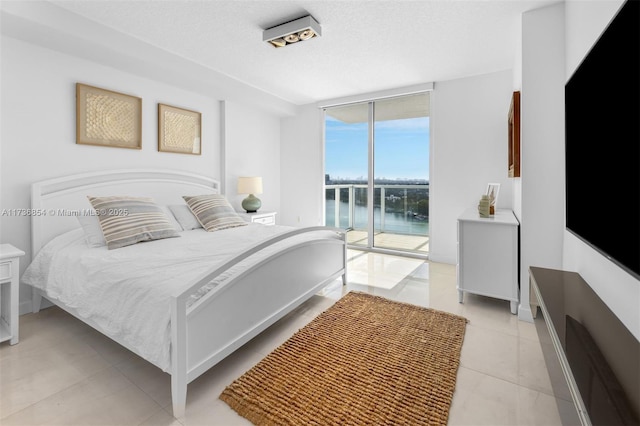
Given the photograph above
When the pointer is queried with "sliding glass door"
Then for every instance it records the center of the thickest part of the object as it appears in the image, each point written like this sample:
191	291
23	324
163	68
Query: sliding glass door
377	172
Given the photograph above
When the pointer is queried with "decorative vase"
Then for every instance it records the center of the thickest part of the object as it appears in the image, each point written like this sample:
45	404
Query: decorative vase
251	204
484	206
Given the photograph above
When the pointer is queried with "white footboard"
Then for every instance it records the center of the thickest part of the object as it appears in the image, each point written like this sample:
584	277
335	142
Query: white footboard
241	307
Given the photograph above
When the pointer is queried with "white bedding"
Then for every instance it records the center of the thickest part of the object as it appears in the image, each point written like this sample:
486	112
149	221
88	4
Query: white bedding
127	291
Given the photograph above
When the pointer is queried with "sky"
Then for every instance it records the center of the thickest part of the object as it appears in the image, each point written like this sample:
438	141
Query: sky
401	149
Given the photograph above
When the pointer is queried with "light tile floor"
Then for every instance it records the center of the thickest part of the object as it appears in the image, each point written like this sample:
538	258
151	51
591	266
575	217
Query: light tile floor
64	373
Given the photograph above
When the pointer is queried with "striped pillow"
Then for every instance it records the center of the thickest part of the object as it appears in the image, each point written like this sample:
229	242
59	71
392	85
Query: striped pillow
129	220
214	212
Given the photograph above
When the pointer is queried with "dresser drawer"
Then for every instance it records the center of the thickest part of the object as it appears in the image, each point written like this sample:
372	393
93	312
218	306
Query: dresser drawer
267	220
5	271
264	218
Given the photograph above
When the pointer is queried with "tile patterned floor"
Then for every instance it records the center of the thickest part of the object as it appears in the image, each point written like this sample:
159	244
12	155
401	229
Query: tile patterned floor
64	373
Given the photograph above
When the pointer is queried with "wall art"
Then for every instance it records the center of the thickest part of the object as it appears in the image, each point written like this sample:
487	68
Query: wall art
179	130
107	118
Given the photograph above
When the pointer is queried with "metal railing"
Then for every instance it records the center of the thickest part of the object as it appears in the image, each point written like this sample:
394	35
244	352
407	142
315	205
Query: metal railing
402	209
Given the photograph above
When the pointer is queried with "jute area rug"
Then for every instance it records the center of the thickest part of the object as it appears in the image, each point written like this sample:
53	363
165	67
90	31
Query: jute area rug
366	360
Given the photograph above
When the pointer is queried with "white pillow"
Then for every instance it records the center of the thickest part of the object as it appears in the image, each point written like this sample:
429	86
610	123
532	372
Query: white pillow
185	217
171	218
92	230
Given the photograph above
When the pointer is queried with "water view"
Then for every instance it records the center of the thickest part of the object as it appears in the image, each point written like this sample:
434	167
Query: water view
398	223
383	144
398	208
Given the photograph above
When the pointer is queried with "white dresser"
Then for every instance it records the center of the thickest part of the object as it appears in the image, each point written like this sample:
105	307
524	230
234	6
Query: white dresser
488	256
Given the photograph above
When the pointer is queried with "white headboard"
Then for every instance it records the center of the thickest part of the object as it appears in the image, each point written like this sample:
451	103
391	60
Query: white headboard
56	202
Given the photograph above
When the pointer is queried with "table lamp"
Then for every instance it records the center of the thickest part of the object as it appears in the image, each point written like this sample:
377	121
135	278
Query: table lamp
250	185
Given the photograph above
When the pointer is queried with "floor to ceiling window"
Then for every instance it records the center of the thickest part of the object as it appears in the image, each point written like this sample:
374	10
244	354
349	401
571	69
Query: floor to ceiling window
377	173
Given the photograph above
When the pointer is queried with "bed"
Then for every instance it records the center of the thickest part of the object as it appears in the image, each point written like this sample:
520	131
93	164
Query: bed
192	300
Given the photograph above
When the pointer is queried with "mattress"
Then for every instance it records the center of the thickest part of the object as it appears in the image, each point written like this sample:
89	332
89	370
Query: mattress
127	292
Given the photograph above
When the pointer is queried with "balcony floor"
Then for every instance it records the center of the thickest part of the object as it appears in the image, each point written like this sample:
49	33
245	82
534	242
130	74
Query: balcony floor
411	243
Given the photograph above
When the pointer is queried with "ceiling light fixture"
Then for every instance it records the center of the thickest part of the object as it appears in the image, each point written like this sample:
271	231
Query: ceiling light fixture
292	32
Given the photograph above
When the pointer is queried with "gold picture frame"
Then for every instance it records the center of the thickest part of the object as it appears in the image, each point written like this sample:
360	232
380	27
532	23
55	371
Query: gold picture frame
107	118
179	130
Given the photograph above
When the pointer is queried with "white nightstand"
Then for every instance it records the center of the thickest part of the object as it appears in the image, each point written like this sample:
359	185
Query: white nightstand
265	218
9	292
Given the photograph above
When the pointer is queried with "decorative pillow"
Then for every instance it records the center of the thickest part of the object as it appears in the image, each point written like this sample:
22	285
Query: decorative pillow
129	220
92	230
214	212
185	218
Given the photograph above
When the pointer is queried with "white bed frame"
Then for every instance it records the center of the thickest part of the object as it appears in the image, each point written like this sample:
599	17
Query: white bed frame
232	313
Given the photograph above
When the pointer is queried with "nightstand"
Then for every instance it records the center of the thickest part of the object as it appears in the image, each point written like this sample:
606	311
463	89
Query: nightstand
9	292
265	218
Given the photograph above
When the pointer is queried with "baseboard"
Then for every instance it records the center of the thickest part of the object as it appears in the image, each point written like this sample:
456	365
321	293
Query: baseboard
524	313
26	307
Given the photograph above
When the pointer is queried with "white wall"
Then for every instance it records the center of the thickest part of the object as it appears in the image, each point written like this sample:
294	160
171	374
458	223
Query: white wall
542	148
469	150
38	119
517	86
252	148
302	161
585	21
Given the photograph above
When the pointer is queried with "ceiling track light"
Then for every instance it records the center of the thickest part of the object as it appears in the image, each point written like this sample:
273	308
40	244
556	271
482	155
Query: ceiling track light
292	32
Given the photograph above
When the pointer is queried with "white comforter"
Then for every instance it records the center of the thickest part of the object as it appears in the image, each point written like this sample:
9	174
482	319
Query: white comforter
127	291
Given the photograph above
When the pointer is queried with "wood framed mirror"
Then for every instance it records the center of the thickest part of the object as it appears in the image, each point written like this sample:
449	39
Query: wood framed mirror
514	136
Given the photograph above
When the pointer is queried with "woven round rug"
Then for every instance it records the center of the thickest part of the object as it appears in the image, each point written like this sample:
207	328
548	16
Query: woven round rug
366	360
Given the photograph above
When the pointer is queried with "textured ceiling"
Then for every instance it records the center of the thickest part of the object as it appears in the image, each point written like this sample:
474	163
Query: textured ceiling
366	46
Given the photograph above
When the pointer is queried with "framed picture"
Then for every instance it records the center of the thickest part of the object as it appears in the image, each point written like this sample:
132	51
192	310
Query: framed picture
493	189
514	135
179	130
107	118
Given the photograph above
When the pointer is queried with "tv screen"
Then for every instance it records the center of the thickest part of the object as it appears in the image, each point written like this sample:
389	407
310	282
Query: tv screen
602	143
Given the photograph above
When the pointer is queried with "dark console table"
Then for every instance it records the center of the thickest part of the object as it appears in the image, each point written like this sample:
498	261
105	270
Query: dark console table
598	355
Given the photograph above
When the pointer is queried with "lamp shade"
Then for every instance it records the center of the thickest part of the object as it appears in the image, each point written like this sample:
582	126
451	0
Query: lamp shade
250	185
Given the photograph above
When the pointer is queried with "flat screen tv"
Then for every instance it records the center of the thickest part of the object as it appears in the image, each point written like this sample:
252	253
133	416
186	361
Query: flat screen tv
602	143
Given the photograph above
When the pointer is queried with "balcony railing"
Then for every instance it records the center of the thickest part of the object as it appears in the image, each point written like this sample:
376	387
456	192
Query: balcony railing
398	209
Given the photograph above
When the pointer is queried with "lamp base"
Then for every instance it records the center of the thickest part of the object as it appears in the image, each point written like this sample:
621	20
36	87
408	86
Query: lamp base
251	204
